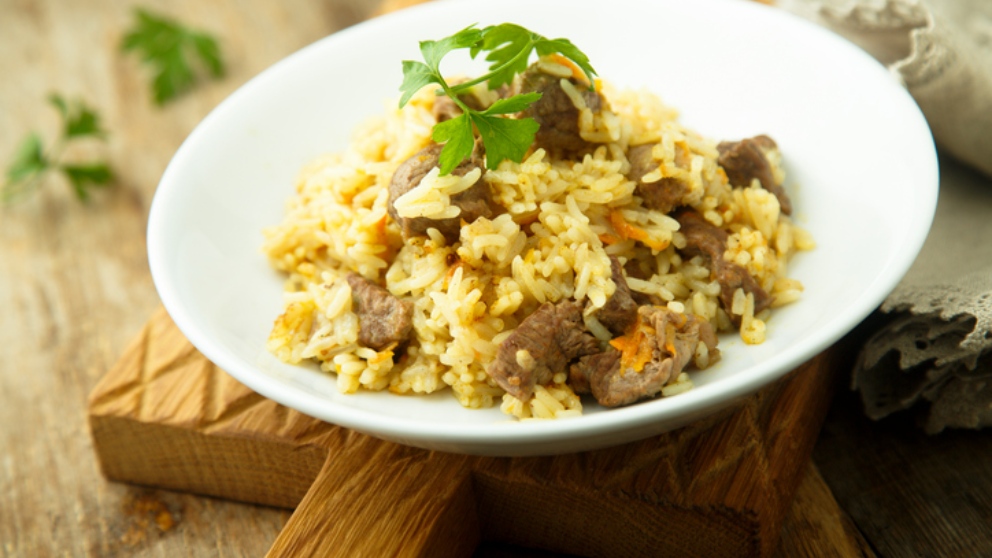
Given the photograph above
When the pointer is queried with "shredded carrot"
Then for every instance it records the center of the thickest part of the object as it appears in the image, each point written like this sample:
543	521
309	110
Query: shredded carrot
620	225
380	229
609	238
577	72
635	347
626	230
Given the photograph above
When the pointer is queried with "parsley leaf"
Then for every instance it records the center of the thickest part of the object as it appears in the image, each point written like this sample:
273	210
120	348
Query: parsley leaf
415	76
168	47
434	51
456	135
418	74
510	47
78	119
209	52
504	138
29	160
513	104
31	163
84	176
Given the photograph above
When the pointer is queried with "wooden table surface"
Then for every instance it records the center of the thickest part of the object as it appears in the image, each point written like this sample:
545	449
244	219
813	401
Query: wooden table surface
75	287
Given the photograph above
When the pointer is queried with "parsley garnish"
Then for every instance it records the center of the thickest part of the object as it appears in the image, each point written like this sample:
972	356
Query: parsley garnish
509	47
168	47
31	161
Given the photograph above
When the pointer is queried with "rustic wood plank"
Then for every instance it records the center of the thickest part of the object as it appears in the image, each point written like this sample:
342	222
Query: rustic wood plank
74	280
817	527
909	493
165	416
379	499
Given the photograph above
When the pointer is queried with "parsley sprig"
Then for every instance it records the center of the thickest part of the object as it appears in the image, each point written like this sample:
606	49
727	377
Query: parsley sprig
31	161
509	48
169	47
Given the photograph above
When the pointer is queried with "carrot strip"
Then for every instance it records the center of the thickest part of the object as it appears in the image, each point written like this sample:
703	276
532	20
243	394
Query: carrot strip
635	347
609	239
577	72
626	230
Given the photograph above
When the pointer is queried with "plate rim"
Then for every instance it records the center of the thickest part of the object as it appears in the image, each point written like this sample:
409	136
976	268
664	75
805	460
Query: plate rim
509	437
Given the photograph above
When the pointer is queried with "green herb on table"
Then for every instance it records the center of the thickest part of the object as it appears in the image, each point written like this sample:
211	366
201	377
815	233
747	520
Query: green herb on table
509	48
177	54
32	161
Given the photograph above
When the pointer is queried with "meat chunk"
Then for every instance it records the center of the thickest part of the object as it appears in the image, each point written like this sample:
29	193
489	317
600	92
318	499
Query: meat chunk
620	311
663	195
710	241
474	202
617	378
593	368
383	319
542	344
701	236
445	109
556	113
745	160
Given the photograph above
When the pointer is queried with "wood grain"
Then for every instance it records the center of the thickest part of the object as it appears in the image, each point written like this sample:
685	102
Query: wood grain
817	526
166	417
909	493
74	280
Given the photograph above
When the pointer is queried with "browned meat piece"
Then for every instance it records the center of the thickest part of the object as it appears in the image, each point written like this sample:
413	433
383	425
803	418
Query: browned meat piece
445	109
620	312
383	319
665	194
710	241
593	367
676	336
542	344
746	160
644	299
701	236
556	114
670	337
475	202
616	387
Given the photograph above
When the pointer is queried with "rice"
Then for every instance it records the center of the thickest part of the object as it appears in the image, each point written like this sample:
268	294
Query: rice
559	223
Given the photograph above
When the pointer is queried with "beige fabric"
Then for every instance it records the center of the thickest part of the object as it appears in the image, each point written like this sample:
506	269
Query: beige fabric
934	344
941	49
937	344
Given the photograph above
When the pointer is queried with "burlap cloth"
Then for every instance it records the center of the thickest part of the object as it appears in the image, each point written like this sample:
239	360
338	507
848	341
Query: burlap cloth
930	346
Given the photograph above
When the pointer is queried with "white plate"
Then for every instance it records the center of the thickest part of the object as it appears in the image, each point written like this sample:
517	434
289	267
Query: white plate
861	166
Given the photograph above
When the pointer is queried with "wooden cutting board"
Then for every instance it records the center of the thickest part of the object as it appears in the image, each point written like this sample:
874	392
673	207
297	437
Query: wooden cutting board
164	416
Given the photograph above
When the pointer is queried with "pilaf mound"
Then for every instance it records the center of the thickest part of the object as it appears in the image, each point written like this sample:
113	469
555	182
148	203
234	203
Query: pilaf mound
583	236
